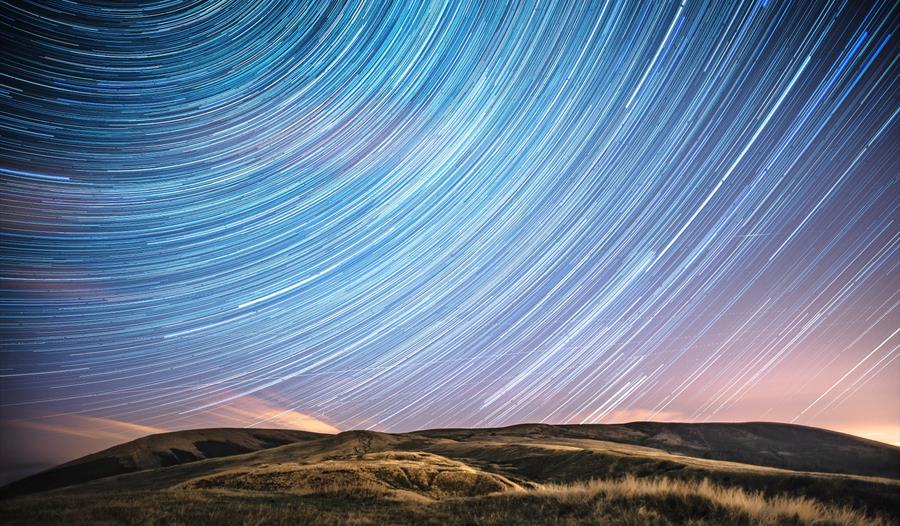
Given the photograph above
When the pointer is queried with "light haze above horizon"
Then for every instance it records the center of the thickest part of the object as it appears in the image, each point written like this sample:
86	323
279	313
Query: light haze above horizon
445	214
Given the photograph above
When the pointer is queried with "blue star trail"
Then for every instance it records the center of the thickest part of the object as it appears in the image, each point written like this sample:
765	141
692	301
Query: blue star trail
408	215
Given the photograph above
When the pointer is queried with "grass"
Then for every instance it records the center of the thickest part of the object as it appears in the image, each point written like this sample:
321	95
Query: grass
360	478
628	501
666	500
408	474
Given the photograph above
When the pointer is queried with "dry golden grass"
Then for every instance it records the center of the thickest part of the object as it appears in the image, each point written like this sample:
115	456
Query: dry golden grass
386	474
744	506
624	502
362	478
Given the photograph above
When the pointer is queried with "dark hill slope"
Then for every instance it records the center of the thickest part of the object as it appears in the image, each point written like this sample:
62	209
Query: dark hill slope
156	451
777	445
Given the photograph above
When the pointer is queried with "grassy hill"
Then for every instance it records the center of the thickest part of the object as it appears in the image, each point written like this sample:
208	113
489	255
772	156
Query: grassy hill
156	451
641	473
785	446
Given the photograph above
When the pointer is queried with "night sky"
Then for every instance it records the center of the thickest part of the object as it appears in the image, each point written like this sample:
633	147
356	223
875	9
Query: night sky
392	217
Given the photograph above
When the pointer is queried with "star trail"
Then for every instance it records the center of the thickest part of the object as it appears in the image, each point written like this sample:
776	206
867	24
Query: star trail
407	215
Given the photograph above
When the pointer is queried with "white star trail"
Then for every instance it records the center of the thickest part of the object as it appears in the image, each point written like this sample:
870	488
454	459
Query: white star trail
403	215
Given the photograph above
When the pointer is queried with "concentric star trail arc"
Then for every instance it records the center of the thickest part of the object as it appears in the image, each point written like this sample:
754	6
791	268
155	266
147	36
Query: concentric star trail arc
405	215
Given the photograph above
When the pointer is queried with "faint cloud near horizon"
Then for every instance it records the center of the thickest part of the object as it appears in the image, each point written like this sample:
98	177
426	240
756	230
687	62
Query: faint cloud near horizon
888	434
31	445
884	433
88	427
250	411
624	416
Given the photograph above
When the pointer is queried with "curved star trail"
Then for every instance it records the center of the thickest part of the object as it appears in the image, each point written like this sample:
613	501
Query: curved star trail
398	216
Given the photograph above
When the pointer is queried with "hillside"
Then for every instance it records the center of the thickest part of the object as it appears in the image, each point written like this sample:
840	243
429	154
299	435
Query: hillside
785	446
522	474
156	451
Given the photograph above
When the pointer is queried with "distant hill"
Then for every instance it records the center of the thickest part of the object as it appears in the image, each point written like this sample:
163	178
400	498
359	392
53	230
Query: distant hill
785	446
156	451
638	473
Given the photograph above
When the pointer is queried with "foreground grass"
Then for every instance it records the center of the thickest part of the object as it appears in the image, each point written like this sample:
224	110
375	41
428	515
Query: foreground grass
628	501
662	501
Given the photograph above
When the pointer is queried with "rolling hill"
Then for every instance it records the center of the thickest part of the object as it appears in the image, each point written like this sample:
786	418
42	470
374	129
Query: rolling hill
157	451
786	446
638	473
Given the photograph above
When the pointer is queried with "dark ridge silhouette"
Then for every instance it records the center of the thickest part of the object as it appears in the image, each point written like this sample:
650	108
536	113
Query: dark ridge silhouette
786	446
156	451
